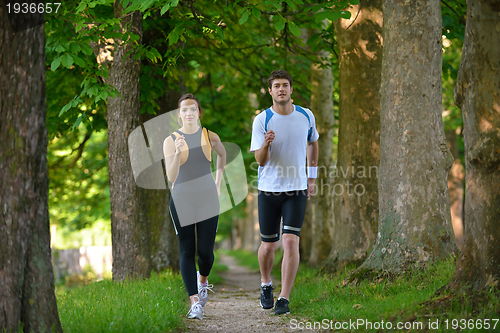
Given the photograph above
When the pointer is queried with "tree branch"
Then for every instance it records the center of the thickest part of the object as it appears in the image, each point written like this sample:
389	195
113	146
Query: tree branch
359	9
80	150
57	164
460	18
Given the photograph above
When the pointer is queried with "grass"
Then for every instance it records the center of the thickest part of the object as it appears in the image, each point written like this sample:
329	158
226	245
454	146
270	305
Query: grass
217	268
153	305
327	302
249	259
394	300
158	304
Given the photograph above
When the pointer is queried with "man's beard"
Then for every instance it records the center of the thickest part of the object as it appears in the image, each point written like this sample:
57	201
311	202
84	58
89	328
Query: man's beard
283	102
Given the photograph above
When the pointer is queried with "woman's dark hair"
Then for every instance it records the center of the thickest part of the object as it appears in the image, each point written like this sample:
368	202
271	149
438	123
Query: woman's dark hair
279	74
193	97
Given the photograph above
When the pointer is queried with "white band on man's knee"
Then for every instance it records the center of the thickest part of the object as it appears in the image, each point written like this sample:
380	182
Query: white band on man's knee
312	172
287	227
269	236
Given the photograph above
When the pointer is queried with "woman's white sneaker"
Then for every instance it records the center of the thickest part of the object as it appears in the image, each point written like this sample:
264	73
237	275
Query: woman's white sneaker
203	290
196	311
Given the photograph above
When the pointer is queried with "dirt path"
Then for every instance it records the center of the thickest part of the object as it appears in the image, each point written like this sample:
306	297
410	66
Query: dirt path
234	307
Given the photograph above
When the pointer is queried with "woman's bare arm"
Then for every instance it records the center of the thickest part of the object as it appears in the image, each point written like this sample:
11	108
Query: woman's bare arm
218	147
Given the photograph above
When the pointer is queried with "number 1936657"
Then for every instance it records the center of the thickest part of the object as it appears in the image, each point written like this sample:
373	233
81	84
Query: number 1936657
32	8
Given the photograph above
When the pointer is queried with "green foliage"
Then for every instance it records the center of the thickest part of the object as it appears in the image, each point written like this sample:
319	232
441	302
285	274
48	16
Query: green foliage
71	34
226	71
451	62
76	155
79	29
79	186
75	79
154	305
221	53
454	17
68	236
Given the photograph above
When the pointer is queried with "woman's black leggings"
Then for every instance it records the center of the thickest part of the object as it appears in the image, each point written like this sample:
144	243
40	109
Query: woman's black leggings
205	238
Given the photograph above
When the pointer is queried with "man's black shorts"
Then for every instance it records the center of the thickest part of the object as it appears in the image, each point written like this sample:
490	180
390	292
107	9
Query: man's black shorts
274	205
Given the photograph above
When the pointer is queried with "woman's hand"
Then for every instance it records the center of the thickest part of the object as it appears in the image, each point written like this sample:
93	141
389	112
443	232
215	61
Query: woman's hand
179	143
218	190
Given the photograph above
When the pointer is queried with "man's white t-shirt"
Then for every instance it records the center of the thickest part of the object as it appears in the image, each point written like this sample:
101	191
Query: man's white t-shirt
286	170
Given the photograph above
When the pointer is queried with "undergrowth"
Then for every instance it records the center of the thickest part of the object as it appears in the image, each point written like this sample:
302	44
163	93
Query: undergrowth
404	302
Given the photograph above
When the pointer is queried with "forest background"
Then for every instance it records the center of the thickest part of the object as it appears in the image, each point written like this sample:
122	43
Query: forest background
224	55
226	67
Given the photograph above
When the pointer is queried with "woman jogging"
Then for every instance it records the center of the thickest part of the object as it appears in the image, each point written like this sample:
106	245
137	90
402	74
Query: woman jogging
194	201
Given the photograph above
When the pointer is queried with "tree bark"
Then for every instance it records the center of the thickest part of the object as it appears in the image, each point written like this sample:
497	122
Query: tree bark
130	232
255	221
414	207
246	233
306	234
164	243
456	189
321	212
355	200
477	95
27	295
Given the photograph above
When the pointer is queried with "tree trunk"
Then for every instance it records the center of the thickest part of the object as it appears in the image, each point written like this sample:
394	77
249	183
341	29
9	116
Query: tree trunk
456	189
246	227
321	212
27	295
305	242
164	243
414	207
129	225
477	95
355	201
248	231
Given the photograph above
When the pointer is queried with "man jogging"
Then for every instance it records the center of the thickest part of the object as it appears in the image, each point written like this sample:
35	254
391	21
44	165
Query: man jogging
282	137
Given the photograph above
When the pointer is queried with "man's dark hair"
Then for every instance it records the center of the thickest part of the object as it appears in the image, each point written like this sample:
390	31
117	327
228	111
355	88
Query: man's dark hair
279	74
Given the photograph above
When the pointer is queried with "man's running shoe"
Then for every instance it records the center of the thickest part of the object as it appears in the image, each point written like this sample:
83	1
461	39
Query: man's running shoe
196	311
266	297
281	306
203	290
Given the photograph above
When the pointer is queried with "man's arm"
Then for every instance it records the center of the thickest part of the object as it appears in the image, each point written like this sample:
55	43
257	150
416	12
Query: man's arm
263	155
312	161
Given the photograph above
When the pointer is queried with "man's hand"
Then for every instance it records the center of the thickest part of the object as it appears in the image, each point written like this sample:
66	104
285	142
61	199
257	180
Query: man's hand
269	138
311	186
263	155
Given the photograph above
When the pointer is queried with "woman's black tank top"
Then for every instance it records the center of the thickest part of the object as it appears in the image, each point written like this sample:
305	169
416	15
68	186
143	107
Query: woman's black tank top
194	173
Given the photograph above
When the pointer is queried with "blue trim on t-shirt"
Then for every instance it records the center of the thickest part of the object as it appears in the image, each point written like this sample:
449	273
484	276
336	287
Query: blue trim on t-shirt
269	115
301	110
258	176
